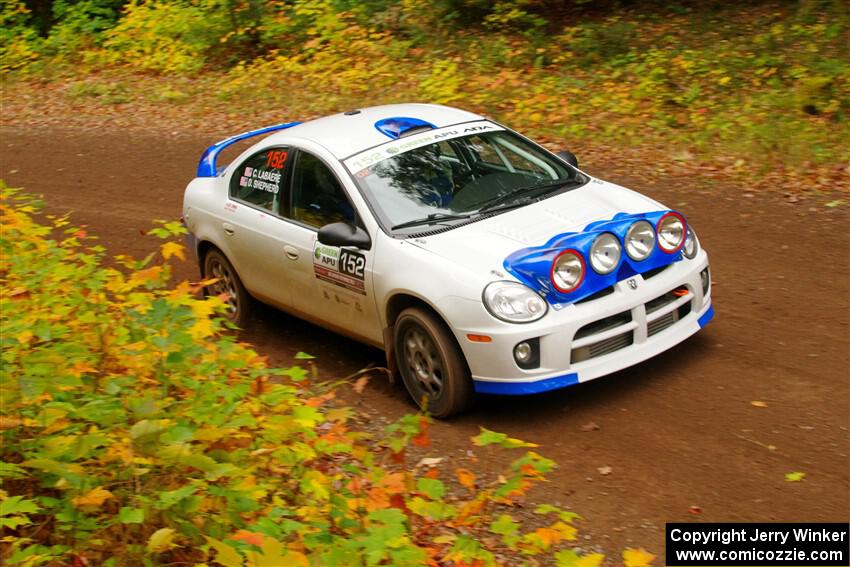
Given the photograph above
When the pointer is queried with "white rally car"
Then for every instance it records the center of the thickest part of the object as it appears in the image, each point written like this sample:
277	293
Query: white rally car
478	260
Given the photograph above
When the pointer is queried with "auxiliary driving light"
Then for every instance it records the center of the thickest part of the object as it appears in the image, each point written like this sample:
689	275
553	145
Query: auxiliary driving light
567	271
605	253
691	245
640	240
671	232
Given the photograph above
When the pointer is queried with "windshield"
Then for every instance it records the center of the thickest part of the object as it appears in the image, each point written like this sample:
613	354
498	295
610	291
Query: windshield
460	177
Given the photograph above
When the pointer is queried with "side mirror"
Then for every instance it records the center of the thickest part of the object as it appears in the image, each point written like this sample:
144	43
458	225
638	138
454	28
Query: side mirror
344	234
568	157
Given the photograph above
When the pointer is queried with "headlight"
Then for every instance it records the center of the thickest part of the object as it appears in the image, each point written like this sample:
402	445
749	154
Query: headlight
513	302
605	253
691	245
671	232
640	240
567	271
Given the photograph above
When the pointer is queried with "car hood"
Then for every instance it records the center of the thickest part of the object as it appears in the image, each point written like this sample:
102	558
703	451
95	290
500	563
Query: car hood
481	247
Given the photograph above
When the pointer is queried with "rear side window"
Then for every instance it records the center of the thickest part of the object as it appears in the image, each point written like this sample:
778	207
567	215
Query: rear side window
259	180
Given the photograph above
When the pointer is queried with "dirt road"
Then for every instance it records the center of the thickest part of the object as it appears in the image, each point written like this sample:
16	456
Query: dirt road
679	433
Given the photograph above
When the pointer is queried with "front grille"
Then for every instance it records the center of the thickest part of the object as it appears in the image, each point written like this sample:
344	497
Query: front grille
627	338
604	346
601	348
612	344
667	320
603	325
661	323
666	299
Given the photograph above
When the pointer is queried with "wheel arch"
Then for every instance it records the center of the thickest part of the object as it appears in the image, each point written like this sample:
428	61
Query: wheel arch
396	303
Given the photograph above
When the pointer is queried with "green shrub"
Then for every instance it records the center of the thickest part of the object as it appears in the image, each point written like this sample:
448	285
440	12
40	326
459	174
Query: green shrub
135	432
20	44
166	37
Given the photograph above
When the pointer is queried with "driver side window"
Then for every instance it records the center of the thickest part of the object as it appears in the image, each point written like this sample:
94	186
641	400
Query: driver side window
317	196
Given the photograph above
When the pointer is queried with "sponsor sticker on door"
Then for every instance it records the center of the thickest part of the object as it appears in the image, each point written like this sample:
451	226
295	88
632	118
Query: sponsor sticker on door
340	267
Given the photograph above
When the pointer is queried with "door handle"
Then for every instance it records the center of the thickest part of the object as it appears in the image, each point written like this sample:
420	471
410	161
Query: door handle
228	229
291	252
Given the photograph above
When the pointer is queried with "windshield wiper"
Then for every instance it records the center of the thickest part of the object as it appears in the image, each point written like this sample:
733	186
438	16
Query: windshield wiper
525	191
432	218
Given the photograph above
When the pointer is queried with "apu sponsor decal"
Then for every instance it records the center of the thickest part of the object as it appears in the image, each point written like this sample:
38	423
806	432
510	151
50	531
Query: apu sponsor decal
344	268
375	155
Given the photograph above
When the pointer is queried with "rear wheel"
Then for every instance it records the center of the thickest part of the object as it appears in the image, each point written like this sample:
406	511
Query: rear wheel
227	284
431	363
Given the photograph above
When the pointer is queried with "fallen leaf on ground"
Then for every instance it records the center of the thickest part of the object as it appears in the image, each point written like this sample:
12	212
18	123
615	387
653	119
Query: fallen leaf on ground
360	384
758	404
605	471
794	476
637	558
429	461
466	478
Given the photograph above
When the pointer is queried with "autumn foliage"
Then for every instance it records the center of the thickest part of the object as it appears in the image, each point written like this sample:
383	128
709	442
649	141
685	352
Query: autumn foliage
136	430
757	90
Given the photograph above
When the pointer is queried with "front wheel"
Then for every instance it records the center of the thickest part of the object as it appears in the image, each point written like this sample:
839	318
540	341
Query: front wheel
227	284
431	363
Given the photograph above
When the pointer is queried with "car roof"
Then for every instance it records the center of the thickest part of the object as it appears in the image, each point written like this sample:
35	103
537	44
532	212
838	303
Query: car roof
348	133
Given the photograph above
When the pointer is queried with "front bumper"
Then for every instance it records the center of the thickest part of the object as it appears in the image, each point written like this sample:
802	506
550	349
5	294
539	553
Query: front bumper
641	318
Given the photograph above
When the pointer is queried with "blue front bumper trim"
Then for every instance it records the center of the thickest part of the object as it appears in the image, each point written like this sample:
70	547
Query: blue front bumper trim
525	388
706	317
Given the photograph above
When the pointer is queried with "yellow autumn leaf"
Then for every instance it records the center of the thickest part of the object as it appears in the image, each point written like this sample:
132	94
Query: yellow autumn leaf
637	557
225	554
466	478
170	249
9	422
202	328
590	560
93	498
161	540
393	483
567	531
548	536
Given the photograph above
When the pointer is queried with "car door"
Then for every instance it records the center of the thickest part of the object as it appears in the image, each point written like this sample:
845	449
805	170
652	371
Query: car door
256	236
331	285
